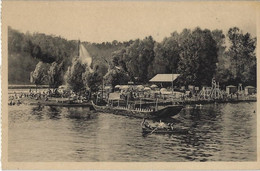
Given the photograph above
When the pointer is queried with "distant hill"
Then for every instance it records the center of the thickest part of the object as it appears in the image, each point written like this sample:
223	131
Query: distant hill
20	62
25	50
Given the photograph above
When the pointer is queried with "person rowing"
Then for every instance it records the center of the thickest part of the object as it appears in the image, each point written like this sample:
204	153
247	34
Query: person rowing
160	125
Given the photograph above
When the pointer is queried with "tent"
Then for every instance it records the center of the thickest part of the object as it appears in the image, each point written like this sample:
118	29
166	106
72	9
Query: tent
154	86
250	90
140	87
231	89
163	89
125	87
147	88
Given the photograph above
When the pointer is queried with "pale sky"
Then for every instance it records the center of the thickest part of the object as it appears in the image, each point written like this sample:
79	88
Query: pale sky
122	21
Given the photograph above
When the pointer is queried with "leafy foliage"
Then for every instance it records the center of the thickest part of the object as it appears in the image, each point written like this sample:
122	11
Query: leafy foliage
76	74
198	58
116	76
39	75
198	55
167	56
94	80
242	55
26	50
136	59
55	75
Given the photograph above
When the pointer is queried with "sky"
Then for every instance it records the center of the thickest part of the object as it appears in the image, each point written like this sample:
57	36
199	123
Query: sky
107	21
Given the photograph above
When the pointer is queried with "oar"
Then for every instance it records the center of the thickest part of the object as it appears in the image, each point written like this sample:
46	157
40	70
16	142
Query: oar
154	130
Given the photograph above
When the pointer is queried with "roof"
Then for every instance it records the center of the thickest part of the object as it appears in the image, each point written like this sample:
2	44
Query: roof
249	87
164	78
231	86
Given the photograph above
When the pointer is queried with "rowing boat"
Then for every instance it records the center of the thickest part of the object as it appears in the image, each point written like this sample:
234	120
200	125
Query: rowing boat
150	128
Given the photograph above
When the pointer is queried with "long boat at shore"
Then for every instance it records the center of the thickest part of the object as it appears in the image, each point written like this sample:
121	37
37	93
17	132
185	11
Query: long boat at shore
160	112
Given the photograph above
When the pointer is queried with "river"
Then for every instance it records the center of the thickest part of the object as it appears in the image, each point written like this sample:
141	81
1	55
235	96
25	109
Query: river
217	132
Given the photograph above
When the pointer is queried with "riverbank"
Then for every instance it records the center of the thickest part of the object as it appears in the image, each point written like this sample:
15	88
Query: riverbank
63	103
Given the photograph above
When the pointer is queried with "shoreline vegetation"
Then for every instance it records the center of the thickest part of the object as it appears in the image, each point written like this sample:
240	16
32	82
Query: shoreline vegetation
39	61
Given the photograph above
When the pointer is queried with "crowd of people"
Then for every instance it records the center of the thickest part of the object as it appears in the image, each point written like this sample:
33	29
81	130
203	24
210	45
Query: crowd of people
47	95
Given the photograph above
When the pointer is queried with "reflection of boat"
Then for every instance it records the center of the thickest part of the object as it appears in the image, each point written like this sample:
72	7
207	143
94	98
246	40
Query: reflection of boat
162	128
160	112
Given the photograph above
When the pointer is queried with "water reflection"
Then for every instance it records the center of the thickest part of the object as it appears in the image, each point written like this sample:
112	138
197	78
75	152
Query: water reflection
37	112
80	113
223	132
53	112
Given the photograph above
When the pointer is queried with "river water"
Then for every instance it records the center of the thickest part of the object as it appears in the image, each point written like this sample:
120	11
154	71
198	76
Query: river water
217	132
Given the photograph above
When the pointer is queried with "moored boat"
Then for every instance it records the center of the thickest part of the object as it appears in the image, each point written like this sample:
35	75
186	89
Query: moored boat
159	112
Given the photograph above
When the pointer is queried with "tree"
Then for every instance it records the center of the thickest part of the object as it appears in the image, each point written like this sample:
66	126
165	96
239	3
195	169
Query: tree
39	75
198	58
116	77
167	56
160	62
138	57
242	54
75	75
55	75
94	80
223	74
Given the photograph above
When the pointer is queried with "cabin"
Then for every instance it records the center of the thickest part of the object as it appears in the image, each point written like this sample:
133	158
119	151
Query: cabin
231	89
250	90
165	80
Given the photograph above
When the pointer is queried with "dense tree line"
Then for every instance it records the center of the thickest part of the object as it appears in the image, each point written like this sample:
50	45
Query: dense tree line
198	55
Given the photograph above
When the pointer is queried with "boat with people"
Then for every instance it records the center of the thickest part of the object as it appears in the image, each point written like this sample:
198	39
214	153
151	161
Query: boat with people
132	111
162	128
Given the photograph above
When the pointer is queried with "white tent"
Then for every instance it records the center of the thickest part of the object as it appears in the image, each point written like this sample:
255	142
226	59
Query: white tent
163	89
147	88
125	87
140	87
154	86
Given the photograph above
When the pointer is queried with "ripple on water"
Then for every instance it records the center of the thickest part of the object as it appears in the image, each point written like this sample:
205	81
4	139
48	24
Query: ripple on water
223	132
